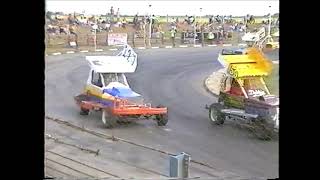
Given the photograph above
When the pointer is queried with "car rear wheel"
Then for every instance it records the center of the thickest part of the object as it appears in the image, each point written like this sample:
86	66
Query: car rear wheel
84	111
215	115
108	119
162	119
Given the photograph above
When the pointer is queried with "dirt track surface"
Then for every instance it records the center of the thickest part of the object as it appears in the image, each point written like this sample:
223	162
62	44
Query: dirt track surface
171	77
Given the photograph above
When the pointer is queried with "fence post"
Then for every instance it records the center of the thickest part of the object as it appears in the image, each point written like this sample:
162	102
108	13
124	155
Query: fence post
106	39
76	40
133	39
194	34
173	39
144	34
149	33
48	35
68	40
202	38
162	38
87	40
95	39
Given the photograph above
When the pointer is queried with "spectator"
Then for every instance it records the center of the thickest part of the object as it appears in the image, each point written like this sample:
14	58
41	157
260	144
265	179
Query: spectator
111	14
225	34
191	19
186	19
70	20
173	33
218	19
62	30
210	37
111	11
223	19
252	20
245	19
221	34
124	22
198	28
118	15
107	26
153	20
72	29
210	20
173	22
135	21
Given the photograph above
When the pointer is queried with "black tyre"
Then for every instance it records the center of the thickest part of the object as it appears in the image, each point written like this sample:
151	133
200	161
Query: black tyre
162	119
109	120
84	111
262	130
215	115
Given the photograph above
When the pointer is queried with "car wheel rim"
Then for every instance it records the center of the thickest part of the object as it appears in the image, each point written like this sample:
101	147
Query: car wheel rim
104	117
213	115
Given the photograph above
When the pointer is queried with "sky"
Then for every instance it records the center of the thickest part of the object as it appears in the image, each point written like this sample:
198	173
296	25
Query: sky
226	7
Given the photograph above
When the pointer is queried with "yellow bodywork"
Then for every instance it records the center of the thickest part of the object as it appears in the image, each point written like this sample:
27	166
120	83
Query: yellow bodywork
254	63
96	92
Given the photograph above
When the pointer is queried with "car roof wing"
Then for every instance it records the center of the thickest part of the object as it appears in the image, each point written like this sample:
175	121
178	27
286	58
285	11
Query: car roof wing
124	62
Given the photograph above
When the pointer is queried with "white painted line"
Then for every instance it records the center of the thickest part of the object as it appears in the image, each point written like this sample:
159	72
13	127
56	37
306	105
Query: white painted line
275	62
70	52
113	49
212	45
84	51
227	45
197	45
167	129
119	45
141	48
168	47
154	47
242	44
58	53
183	46
99	50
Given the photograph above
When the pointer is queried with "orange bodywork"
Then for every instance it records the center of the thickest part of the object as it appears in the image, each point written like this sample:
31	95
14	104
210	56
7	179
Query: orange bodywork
123	107
138	111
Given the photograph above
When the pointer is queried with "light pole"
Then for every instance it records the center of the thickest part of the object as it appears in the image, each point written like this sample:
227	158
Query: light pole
269	26
201	27
150	22
95	27
194	29
200	14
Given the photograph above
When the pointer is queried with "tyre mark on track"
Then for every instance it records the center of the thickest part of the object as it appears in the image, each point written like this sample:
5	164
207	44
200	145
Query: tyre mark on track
82	164
54	169
97	153
73	145
69	167
106	136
